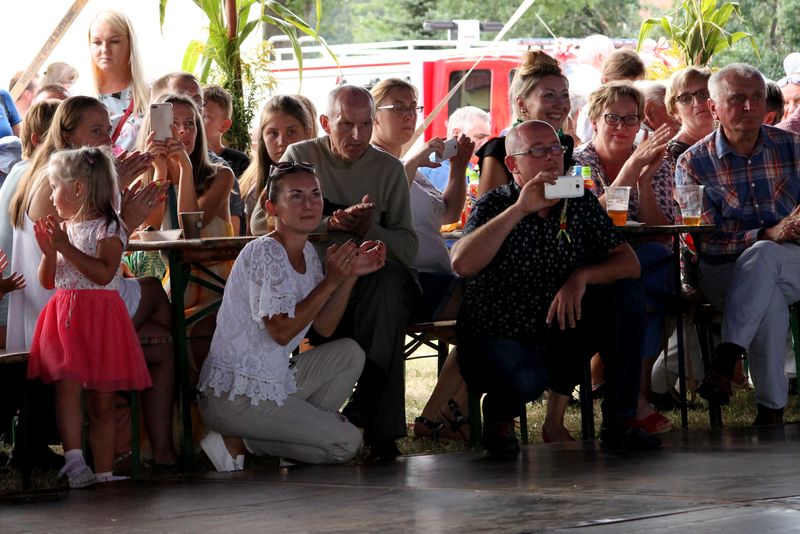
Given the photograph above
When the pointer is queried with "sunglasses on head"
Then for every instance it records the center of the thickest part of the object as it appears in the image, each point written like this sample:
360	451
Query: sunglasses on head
283	168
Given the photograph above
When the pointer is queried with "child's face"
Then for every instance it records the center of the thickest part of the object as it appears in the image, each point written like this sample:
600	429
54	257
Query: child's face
214	120
281	131
65	197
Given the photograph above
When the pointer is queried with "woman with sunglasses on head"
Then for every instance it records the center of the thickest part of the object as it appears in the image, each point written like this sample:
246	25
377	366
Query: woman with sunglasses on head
615	111
254	397
395	122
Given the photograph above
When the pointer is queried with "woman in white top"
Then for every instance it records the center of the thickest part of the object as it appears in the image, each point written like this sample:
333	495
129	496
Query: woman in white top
254	396
395	121
118	76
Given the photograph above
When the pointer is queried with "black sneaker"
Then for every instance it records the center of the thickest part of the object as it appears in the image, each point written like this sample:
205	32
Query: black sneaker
500	439
628	438
383	450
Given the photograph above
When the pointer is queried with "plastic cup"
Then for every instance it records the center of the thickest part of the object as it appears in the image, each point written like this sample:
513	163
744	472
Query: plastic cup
192	222
690	200
617	203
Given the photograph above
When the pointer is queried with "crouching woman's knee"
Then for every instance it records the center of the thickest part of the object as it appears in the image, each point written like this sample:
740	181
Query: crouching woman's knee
345	446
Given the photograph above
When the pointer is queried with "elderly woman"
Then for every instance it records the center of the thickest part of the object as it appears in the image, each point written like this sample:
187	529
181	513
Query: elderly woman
395	121
118	76
616	111
84	121
539	91
687	102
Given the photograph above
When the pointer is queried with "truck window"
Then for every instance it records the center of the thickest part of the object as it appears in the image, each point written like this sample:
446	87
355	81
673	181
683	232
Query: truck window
476	91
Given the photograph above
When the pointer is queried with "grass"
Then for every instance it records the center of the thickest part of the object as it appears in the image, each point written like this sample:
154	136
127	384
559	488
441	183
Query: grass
420	379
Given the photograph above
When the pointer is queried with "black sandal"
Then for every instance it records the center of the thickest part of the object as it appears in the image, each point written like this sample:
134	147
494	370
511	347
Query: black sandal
431	428
458	421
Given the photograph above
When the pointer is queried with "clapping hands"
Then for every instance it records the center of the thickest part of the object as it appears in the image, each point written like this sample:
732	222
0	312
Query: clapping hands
349	259
10	283
355	219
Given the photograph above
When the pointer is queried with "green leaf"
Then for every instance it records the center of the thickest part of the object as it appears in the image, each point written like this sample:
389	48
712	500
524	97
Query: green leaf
192	54
162	12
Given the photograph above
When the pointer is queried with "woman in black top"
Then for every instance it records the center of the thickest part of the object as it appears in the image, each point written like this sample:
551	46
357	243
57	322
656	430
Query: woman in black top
538	91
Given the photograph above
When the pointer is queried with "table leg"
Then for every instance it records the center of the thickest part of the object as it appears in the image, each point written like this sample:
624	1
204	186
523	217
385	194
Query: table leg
676	251
177	282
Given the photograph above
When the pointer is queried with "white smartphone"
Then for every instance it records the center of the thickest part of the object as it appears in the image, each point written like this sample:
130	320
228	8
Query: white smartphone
161	120
450	150
565	187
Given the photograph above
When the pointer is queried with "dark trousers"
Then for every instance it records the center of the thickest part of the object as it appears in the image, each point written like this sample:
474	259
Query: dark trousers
376	318
515	371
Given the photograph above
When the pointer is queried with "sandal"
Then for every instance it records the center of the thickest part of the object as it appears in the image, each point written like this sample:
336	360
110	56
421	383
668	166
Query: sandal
425	428
655	423
459	423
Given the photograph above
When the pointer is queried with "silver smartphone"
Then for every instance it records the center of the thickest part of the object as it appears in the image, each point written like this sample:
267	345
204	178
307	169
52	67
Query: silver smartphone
565	187
450	150
161	120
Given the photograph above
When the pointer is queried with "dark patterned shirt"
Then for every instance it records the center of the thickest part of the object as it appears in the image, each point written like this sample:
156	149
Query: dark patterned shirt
510	296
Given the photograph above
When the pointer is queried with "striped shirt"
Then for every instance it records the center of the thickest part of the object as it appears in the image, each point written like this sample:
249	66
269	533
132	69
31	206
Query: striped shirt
742	194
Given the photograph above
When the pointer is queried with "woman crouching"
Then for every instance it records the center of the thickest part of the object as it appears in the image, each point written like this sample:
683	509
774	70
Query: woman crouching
254	396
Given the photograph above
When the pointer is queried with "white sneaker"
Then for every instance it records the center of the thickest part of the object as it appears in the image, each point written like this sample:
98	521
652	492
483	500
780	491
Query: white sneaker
217	452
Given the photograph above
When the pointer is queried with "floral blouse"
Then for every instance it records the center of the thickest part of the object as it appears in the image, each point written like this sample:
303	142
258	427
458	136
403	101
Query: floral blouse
663	182
84	236
244	359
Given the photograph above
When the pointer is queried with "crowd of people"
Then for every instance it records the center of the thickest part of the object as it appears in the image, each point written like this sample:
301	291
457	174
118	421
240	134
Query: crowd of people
539	286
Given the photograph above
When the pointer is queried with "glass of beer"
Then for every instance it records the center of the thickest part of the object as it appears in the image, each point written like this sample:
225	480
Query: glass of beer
617	203
690	200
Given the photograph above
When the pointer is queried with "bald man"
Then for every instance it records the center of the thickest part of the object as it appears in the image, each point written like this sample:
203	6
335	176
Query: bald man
548	284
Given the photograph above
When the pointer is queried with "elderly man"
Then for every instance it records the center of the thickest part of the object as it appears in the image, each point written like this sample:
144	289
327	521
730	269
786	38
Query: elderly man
366	197
549	283
470	121
748	265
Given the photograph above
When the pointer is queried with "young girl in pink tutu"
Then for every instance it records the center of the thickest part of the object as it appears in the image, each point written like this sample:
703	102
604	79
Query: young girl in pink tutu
84	338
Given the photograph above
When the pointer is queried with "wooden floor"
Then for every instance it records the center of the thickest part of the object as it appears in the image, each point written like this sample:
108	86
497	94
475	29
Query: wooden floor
744	481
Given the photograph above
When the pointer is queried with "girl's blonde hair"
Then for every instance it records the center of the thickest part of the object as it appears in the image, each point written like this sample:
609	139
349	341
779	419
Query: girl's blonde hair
120	23
68	116
36	122
255	177
203	171
536	66
94	168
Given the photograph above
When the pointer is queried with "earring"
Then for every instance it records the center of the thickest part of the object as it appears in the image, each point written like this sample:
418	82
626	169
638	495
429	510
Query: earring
523	112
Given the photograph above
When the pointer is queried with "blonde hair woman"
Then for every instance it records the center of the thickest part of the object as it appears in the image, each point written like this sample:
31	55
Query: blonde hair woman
118	76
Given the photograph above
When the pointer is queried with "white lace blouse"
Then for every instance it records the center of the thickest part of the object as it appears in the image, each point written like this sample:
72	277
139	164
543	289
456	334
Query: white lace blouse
244	359
84	236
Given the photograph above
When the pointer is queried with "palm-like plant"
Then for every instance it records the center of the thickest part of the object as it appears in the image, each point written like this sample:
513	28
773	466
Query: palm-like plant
229	25
697	27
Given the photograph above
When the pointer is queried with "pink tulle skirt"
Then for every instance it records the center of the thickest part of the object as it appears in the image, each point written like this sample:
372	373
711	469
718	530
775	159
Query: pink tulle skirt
86	336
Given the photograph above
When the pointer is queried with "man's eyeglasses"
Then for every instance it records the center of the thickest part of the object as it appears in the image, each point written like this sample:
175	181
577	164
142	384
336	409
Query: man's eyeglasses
542	151
612	119
794	78
402	109
686	98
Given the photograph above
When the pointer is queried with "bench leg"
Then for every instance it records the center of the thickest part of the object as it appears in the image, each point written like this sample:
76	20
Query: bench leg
475	426
587	404
135	442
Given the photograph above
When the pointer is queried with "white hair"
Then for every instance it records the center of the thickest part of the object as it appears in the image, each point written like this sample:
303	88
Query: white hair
337	94
593	46
463	117
741	70
652	90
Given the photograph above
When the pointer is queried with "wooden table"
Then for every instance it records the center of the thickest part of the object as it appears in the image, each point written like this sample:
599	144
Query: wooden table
674	230
183	254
